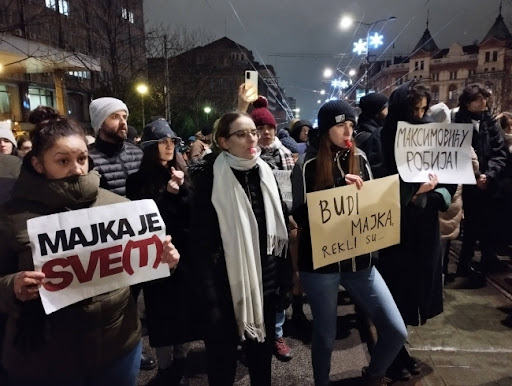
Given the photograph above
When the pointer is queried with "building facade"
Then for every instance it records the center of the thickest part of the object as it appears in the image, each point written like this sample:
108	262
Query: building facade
447	71
209	76
61	53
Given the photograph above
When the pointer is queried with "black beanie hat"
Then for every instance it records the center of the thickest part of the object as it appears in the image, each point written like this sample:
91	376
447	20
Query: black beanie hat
156	131
297	128
207	130
372	104
332	113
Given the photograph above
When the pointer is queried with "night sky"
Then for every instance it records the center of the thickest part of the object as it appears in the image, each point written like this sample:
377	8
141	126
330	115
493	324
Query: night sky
300	38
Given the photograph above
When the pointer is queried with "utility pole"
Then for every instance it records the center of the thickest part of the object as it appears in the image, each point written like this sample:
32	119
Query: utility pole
166	83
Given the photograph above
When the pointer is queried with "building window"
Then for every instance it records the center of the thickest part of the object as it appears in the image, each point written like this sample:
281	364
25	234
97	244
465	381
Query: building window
493	69
453	75
452	92
435	93
5	101
495	56
471	73
80	74
435	76
127	15
487	56
63	6
422	65
416	66
40	97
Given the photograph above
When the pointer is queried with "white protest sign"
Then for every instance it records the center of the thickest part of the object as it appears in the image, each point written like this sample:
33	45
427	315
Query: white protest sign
87	252
283	178
443	149
346	222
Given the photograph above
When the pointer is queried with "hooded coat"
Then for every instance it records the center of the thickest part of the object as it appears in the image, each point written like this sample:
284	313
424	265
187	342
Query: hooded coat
412	269
171	302
82	338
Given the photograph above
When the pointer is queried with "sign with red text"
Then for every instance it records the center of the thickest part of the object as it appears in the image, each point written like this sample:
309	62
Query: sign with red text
443	149
88	252
346	222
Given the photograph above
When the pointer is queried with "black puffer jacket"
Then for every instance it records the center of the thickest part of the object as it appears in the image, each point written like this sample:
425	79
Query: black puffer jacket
115	162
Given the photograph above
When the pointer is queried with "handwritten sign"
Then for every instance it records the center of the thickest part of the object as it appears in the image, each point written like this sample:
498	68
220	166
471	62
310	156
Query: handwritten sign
346	222
87	252
284	181
441	149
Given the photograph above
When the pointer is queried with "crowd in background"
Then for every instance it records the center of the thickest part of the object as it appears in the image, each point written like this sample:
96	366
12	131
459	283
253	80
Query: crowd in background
244	254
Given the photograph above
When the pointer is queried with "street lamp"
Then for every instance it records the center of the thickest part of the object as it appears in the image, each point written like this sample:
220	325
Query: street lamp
142	89
361	47
207	110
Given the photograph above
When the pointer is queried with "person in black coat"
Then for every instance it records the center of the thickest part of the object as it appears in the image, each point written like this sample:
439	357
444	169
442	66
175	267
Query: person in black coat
413	268
239	235
374	109
170	308
480	200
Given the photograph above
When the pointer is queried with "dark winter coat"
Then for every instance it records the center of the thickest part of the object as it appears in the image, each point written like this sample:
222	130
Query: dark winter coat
207	251
9	171
488	143
303	181
114	162
412	269
171	307
82	338
367	138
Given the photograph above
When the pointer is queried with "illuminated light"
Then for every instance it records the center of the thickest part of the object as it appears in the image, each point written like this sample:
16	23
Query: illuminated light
352	72
376	40
346	22
322	92
336	83
207	110
319	101
142	89
344	84
327	73
1	68
360	47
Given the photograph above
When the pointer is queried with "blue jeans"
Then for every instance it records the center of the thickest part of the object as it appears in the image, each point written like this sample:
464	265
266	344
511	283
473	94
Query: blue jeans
280	319
122	372
370	293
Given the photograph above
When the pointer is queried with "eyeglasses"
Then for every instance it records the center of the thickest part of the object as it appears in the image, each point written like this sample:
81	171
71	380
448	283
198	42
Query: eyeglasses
244	133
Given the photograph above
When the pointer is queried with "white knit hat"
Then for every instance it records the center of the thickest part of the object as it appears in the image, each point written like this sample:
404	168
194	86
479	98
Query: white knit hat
440	113
6	132
101	108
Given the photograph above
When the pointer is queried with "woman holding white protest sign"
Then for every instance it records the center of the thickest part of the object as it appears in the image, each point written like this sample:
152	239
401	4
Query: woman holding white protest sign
95	341
338	163
239	233
413	269
171	309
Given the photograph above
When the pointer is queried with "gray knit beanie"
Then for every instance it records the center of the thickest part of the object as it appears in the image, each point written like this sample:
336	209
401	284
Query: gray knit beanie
101	108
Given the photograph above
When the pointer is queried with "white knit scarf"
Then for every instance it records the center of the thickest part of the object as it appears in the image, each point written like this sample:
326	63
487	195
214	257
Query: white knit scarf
240	239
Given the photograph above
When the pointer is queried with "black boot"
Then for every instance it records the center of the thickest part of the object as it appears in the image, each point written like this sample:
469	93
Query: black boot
177	372
147	362
301	324
397	371
411	364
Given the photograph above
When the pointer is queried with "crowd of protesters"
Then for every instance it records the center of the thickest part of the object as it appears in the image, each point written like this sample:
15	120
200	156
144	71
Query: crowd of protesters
244	252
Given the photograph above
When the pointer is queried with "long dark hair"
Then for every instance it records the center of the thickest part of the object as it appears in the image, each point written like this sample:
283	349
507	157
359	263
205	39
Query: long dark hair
470	94
151	162
325	165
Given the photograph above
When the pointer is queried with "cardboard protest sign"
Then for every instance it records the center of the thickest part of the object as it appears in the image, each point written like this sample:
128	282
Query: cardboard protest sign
284	181
443	149
87	252
346	222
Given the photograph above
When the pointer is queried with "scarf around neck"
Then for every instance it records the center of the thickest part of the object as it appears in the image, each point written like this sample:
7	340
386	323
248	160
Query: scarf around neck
240	238
285	155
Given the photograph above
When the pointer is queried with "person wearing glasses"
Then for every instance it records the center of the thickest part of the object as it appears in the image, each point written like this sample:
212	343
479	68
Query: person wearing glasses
170	312
240	233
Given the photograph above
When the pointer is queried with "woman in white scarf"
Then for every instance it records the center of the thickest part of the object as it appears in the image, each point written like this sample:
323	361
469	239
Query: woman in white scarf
248	216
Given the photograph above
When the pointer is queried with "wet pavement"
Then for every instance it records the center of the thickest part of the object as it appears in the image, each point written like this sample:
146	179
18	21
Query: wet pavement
466	345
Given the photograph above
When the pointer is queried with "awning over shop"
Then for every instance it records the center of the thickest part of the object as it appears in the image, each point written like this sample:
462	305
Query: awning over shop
19	55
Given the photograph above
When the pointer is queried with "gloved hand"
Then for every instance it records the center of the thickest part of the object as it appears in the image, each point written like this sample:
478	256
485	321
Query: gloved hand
283	300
